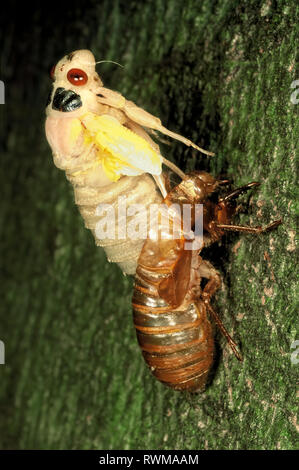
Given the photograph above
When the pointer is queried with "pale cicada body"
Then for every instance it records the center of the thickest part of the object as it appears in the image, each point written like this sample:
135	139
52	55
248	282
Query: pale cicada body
98	139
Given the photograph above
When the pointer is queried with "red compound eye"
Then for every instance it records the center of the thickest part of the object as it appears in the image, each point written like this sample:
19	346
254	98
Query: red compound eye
52	72
77	77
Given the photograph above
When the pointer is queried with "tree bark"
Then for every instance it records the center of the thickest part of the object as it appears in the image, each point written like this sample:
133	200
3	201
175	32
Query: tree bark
219	73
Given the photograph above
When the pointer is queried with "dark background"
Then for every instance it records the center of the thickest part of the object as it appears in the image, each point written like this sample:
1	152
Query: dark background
218	72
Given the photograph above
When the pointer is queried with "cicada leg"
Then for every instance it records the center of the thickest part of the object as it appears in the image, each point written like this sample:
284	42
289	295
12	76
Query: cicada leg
206	270
248	229
226	210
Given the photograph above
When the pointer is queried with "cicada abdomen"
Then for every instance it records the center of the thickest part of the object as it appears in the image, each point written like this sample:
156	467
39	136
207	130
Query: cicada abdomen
137	190
177	342
99	139
171	307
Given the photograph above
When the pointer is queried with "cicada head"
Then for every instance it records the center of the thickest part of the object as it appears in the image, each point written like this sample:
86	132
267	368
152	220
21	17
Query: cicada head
74	81
73	95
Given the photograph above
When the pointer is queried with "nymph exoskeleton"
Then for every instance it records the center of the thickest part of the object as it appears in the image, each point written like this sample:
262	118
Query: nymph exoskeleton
171	306
99	139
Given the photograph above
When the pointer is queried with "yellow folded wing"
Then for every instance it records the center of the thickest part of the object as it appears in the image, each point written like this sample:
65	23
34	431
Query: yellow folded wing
121	151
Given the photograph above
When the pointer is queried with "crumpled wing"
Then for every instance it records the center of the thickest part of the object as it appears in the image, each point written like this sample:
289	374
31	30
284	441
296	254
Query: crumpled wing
121	151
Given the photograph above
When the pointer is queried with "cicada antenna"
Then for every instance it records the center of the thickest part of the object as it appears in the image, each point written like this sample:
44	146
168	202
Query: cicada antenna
109	61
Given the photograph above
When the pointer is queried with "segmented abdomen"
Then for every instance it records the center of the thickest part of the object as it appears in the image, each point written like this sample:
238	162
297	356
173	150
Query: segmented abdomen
137	190
177	344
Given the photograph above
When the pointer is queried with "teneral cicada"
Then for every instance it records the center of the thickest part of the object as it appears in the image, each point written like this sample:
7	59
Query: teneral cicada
98	138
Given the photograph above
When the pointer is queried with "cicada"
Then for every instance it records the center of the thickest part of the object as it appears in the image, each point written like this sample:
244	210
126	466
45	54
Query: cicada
171	303
102	142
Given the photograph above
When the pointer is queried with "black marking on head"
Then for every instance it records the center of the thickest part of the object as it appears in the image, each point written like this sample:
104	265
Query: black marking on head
66	100
70	56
